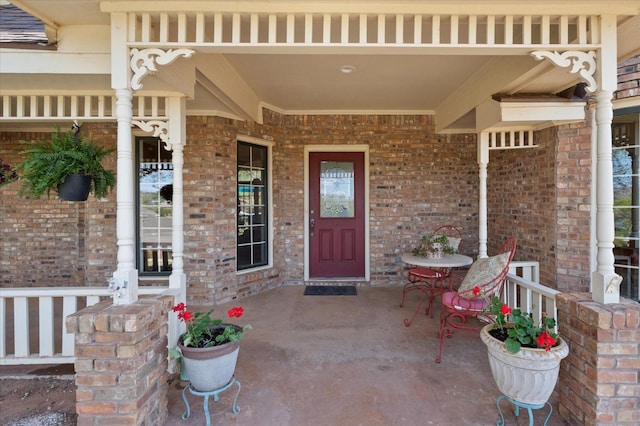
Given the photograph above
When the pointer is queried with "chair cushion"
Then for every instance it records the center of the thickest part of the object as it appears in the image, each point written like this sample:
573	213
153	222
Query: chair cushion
452	300
482	271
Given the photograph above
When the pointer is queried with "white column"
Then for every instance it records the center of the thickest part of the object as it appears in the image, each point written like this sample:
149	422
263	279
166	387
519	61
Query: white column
126	275
483	161
605	283
125	278
177	135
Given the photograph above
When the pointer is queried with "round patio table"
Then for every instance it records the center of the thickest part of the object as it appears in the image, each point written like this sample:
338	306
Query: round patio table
431	286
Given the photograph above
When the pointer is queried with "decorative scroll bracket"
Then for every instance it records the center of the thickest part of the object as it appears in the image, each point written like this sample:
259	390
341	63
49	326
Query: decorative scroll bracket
159	128
583	63
144	61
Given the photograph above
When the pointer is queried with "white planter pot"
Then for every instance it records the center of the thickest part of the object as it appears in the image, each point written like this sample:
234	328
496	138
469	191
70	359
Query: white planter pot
528	376
210	368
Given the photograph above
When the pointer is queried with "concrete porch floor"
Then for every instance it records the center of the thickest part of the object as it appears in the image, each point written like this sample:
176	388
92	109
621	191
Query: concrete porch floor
349	360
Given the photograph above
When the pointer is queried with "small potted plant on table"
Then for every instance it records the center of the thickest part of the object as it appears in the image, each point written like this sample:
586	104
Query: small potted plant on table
434	246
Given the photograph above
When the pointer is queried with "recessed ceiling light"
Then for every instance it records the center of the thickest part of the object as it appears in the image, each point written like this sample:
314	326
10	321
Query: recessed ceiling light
347	69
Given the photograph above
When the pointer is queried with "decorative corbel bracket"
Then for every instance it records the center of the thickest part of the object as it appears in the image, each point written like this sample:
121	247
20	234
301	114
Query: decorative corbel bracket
583	63
144	62
159	129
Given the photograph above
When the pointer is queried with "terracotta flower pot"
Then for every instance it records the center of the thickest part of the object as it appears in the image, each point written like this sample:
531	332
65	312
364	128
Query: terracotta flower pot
528	376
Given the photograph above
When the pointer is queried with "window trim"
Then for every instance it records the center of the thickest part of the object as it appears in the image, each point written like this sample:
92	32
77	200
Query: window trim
269	207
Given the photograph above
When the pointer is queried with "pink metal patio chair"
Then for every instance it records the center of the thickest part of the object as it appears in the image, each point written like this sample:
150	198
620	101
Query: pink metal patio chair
430	281
483	281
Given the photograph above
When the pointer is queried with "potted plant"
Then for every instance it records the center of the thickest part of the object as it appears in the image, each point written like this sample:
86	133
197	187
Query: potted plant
7	173
63	164
524	356
434	246
209	348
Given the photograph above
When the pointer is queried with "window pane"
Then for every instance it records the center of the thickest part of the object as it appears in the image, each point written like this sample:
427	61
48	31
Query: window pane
155	206
337	189
252	202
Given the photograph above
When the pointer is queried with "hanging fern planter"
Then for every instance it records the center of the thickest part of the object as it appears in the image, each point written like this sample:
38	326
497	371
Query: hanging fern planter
67	164
75	187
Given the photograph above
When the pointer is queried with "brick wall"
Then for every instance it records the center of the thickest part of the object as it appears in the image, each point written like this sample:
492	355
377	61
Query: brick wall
542	195
628	78
48	242
599	381
121	362
412	190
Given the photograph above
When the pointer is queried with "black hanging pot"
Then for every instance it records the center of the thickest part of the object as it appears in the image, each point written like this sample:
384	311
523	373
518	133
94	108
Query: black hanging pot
75	188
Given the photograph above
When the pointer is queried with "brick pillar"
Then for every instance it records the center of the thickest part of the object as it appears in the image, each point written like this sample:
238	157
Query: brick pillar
121	362
599	381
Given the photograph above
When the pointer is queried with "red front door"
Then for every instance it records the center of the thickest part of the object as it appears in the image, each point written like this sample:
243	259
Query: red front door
336	215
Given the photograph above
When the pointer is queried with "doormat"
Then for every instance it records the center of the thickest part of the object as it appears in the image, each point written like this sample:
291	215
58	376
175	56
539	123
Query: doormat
330	290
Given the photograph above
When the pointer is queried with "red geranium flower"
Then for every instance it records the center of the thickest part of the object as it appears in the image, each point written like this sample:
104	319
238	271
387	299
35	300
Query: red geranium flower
476	290
204	331
506	310
235	312
546	341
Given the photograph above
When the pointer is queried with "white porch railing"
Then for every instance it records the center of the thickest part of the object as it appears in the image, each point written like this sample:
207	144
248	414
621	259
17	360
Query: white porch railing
48	307
522	290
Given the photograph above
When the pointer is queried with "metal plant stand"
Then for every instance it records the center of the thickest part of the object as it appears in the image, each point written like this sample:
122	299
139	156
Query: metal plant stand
216	397
518	405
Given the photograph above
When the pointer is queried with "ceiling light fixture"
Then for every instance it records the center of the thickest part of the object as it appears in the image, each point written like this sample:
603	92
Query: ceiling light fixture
347	69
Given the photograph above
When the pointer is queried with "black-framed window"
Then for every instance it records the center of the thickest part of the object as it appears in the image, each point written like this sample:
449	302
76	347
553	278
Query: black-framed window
252	201
154	207
626	208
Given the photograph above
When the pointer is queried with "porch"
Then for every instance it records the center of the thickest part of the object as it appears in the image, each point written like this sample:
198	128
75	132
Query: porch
329	360
337	360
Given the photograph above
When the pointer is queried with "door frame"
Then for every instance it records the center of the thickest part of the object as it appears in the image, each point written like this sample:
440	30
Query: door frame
337	148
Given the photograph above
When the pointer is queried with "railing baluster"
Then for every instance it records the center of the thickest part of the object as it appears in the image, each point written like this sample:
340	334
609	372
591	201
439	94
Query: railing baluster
564	29
473	30
491	29
33	106
182	28
417	29
200	26
453	37
546	26
3	331
399	29
69	306
21	326
363	29
217	28
344	29
164	28
145	28
508	29
20	106
435	30
45	325
381	29
235	29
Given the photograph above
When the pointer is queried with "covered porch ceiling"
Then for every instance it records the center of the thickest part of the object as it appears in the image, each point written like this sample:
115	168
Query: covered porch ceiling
238	81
